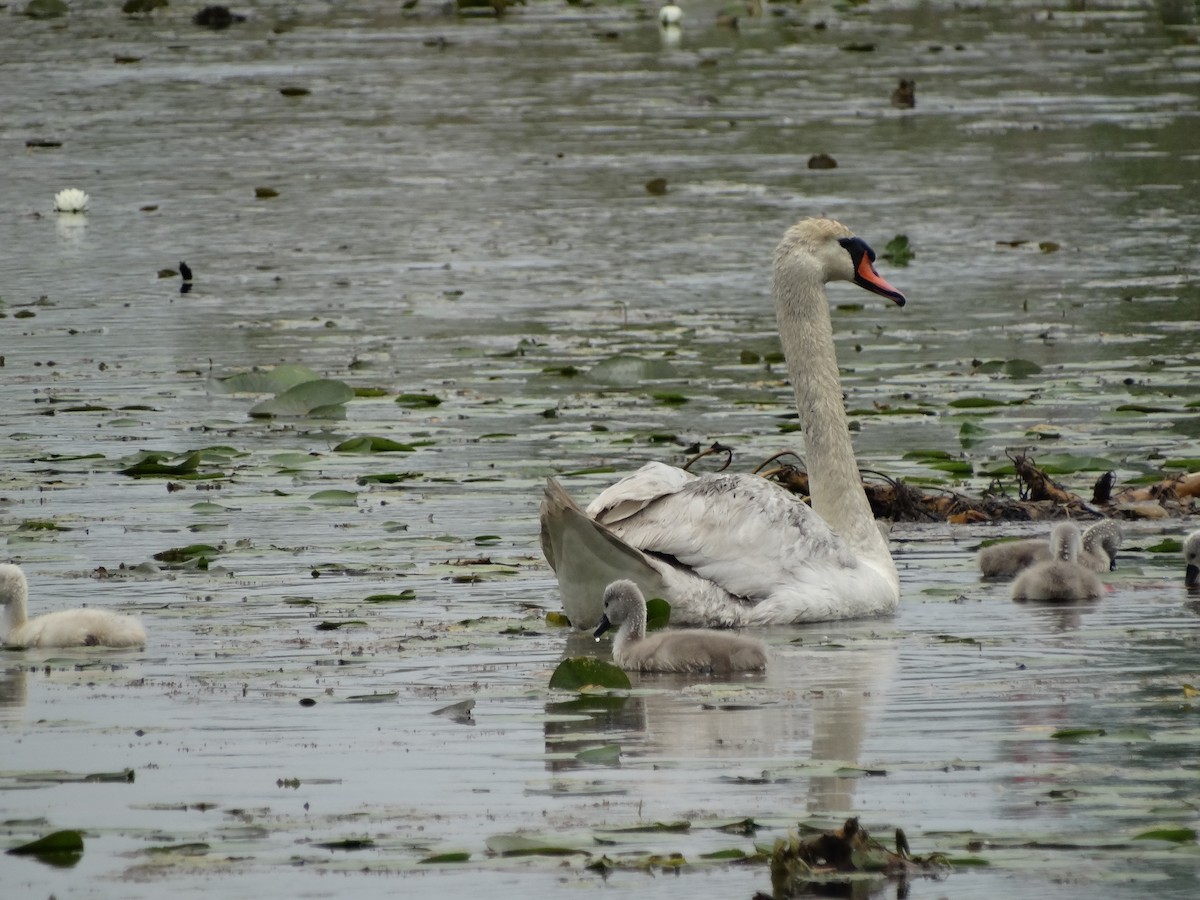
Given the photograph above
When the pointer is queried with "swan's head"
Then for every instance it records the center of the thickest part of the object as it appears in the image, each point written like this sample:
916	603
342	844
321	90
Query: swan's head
838	253
622	601
1191	556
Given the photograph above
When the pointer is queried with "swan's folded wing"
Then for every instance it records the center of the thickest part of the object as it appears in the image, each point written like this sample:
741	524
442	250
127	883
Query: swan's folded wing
634	492
586	557
741	532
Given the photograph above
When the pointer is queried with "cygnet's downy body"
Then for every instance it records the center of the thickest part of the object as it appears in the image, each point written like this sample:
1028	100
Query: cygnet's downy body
1191	558
66	628
1099	553
695	650
1061	578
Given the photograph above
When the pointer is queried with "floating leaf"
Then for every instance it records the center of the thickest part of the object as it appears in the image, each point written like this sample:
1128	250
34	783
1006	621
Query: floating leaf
522	845
898	251
670	398
346	844
628	370
418	400
46	9
266	381
459	712
387	477
1077	734
184	554
731	853
384	697
658	613
321	399
152	465
61	849
579	672
334	626
608	755
265	193
556	619
402	597
443	858
334	497
975	403
1174	835
372	444
294	91
656	186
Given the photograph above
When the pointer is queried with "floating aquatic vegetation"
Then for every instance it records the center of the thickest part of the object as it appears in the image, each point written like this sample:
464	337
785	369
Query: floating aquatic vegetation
583	672
61	849
264	381
324	398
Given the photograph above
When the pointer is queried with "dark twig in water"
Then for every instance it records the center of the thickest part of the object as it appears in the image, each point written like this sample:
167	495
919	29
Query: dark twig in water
717	447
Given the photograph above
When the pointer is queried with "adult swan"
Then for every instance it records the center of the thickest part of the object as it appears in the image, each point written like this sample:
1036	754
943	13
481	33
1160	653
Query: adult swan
738	549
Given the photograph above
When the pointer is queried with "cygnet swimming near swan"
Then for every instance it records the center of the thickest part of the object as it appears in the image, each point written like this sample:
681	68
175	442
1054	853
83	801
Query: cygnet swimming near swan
1099	552
1060	578
683	650
1191	558
66	628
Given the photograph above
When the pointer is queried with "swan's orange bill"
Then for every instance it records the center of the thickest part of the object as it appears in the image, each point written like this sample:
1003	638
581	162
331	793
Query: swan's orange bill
867	277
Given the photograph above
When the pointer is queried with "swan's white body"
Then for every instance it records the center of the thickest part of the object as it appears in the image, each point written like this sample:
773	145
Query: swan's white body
737	549
67	628
1060	578
682	650
1191	558
670	16
1099	552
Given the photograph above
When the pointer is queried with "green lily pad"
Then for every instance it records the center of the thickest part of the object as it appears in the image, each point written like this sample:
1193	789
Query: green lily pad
577	672
1174	835
266	381
372	444
523	845
444	858
898	251
658	613
323	398
333	497
418	400
152	465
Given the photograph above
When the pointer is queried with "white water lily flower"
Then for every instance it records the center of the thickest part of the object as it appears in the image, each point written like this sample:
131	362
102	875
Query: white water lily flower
71	200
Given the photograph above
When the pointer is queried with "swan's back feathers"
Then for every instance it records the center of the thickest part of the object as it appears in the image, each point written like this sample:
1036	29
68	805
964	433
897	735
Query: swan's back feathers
79	628
632	493
764	549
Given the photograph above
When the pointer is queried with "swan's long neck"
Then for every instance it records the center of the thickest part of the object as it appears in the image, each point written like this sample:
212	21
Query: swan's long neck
14	594
806	332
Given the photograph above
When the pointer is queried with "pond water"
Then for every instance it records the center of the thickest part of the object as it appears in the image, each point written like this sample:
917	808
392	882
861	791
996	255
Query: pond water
461	213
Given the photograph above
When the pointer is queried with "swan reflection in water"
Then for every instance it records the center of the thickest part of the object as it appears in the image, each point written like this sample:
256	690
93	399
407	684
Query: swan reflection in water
813	704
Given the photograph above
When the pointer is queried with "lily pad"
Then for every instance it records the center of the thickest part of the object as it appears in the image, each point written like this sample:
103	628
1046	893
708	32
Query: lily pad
628	370
577	672
372	444
266	381
658	613
320	399
418	400
523	845
60	848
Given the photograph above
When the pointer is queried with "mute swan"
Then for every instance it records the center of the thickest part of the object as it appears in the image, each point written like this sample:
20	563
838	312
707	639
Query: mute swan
1061	577
1191	556
738	549
670	15
685	650
1099	553
67	628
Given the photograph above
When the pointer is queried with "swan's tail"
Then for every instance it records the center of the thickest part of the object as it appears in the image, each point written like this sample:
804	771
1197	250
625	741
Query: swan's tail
587	557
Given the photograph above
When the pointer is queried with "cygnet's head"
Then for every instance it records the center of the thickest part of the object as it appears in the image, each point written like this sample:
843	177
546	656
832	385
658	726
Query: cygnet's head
1065	541
622	601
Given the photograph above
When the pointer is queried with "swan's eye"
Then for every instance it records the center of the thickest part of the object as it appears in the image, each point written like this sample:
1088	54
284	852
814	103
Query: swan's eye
856	247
